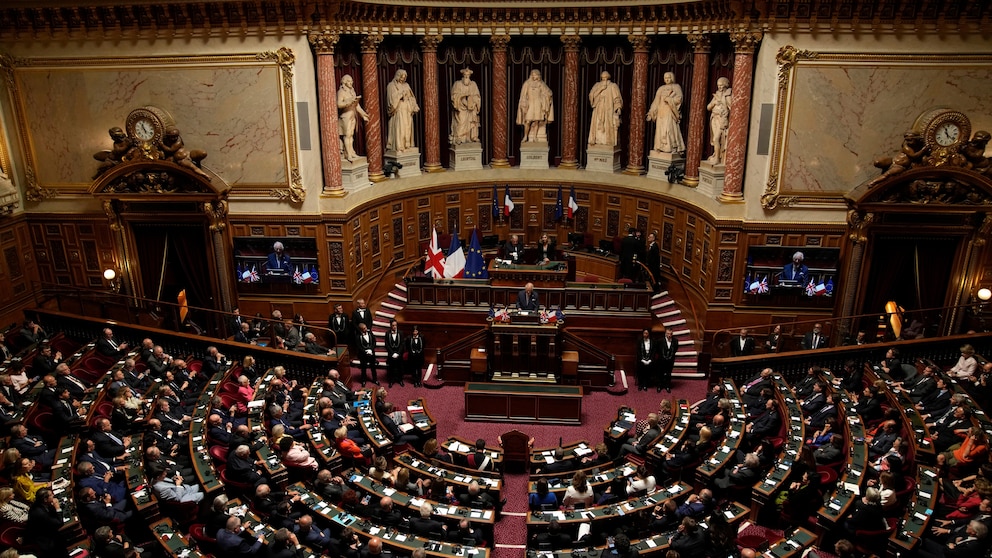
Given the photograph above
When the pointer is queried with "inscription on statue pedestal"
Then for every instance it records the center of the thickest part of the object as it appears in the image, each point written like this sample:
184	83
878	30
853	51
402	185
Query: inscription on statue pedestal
711	179
466	157
658	163
409	159
534	155
602	158
354	174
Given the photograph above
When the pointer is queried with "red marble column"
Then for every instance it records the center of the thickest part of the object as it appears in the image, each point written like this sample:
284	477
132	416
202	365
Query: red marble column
500	135
697	107
745	44
327	107
370	92
638	105
432	126
570	111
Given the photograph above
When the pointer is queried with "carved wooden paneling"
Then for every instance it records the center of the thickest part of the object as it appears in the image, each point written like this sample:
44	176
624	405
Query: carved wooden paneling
336	250
70	253
612	223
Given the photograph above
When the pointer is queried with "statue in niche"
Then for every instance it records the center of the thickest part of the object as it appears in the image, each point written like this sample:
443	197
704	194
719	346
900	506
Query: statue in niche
348	116
466	102
174	150
719	108
666	112
113	156
606	105
535	108
401	105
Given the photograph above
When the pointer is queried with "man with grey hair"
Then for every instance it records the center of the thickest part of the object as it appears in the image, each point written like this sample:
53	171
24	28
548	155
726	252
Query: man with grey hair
424	526
278	260
797	270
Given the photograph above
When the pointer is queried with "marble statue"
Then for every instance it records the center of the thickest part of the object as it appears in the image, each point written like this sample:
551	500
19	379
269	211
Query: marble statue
466	102
535	108
666	112
606	104
348	117
401	105
719	108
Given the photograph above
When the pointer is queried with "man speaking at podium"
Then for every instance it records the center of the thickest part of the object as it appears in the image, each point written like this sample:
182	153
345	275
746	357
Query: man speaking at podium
527	298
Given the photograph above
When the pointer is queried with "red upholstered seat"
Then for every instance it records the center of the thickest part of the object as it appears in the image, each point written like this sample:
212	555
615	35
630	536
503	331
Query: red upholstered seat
218	454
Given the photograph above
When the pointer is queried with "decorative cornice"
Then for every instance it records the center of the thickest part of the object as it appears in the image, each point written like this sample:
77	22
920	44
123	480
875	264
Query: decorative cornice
323	42
371	42
499	42
745	42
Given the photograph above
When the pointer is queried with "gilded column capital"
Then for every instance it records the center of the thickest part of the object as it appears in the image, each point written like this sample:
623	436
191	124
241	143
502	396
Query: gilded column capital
745	42
700	42
571	42
430	42
371	42
499	42
641	43
323	42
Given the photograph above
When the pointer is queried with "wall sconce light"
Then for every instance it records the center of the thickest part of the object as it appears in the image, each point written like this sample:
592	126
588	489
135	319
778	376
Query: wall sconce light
984	294
111	277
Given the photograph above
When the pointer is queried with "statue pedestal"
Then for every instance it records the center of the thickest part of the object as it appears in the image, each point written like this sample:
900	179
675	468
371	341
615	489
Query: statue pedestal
354	174
711	179
409	159
659	162
602	158
466	156
534	155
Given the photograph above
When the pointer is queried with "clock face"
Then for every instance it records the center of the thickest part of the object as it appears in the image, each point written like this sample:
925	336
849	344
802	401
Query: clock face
144	129
947	133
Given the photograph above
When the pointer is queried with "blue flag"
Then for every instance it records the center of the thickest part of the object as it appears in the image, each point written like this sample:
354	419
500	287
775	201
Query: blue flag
313	274
559	207
237	272
496	210
475	264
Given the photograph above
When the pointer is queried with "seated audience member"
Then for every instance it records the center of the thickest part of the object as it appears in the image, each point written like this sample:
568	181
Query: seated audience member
379	471
101	511
477	498
433	451
109	346
424	526
233	540
542	498
25	487
553	538
12	510
887	487
348	448
751	390
640	445
804	387
44	524
579	493
241	467
696	505
971	452
938	400
32	446
742	475
920	385
881	442
868	405
826	412
86	477
311	535
823	435
216	516
154	458
173	489
948	429
850	377
689	452
708	407
830	452
244	436
867	514
764	426
294	454
480	458
286	544
465	534
966	365
218	434
802	497
328	485
816	400
387	515
690	539
32	332
108	545
892	363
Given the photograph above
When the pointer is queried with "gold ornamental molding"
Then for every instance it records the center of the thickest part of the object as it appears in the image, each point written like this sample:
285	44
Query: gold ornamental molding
794	124
25	74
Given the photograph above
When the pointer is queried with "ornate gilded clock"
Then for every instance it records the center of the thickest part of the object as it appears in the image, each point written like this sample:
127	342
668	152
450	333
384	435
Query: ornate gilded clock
943	129
148	124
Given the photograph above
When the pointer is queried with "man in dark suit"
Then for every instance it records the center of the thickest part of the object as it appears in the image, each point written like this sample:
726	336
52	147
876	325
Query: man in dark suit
235	321
742	345
241	467
830	452
814	339
815	401
653	260
797	270
640	445
415	356
707	407
629	247
745	474
361	315
233	541
159	362
827	411
751	391
945	429
46	361
690	540
921	386
365	345
513	250
338	323
868	405
646	360
66	410
64	378
477	498
527	298
108	346
109	444
217	431
311	346
881	442
767	424
32	446
245	334
668	347
553	539
938	400
424	526
394	354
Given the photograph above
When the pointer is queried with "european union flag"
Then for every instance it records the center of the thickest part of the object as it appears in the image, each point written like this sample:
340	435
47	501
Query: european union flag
559	207
475	264
496	209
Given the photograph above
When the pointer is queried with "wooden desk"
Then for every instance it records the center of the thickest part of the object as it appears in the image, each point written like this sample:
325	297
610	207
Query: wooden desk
546	275
523	403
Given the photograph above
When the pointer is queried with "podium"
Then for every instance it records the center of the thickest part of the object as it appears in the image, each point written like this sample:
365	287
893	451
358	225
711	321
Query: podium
526	348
